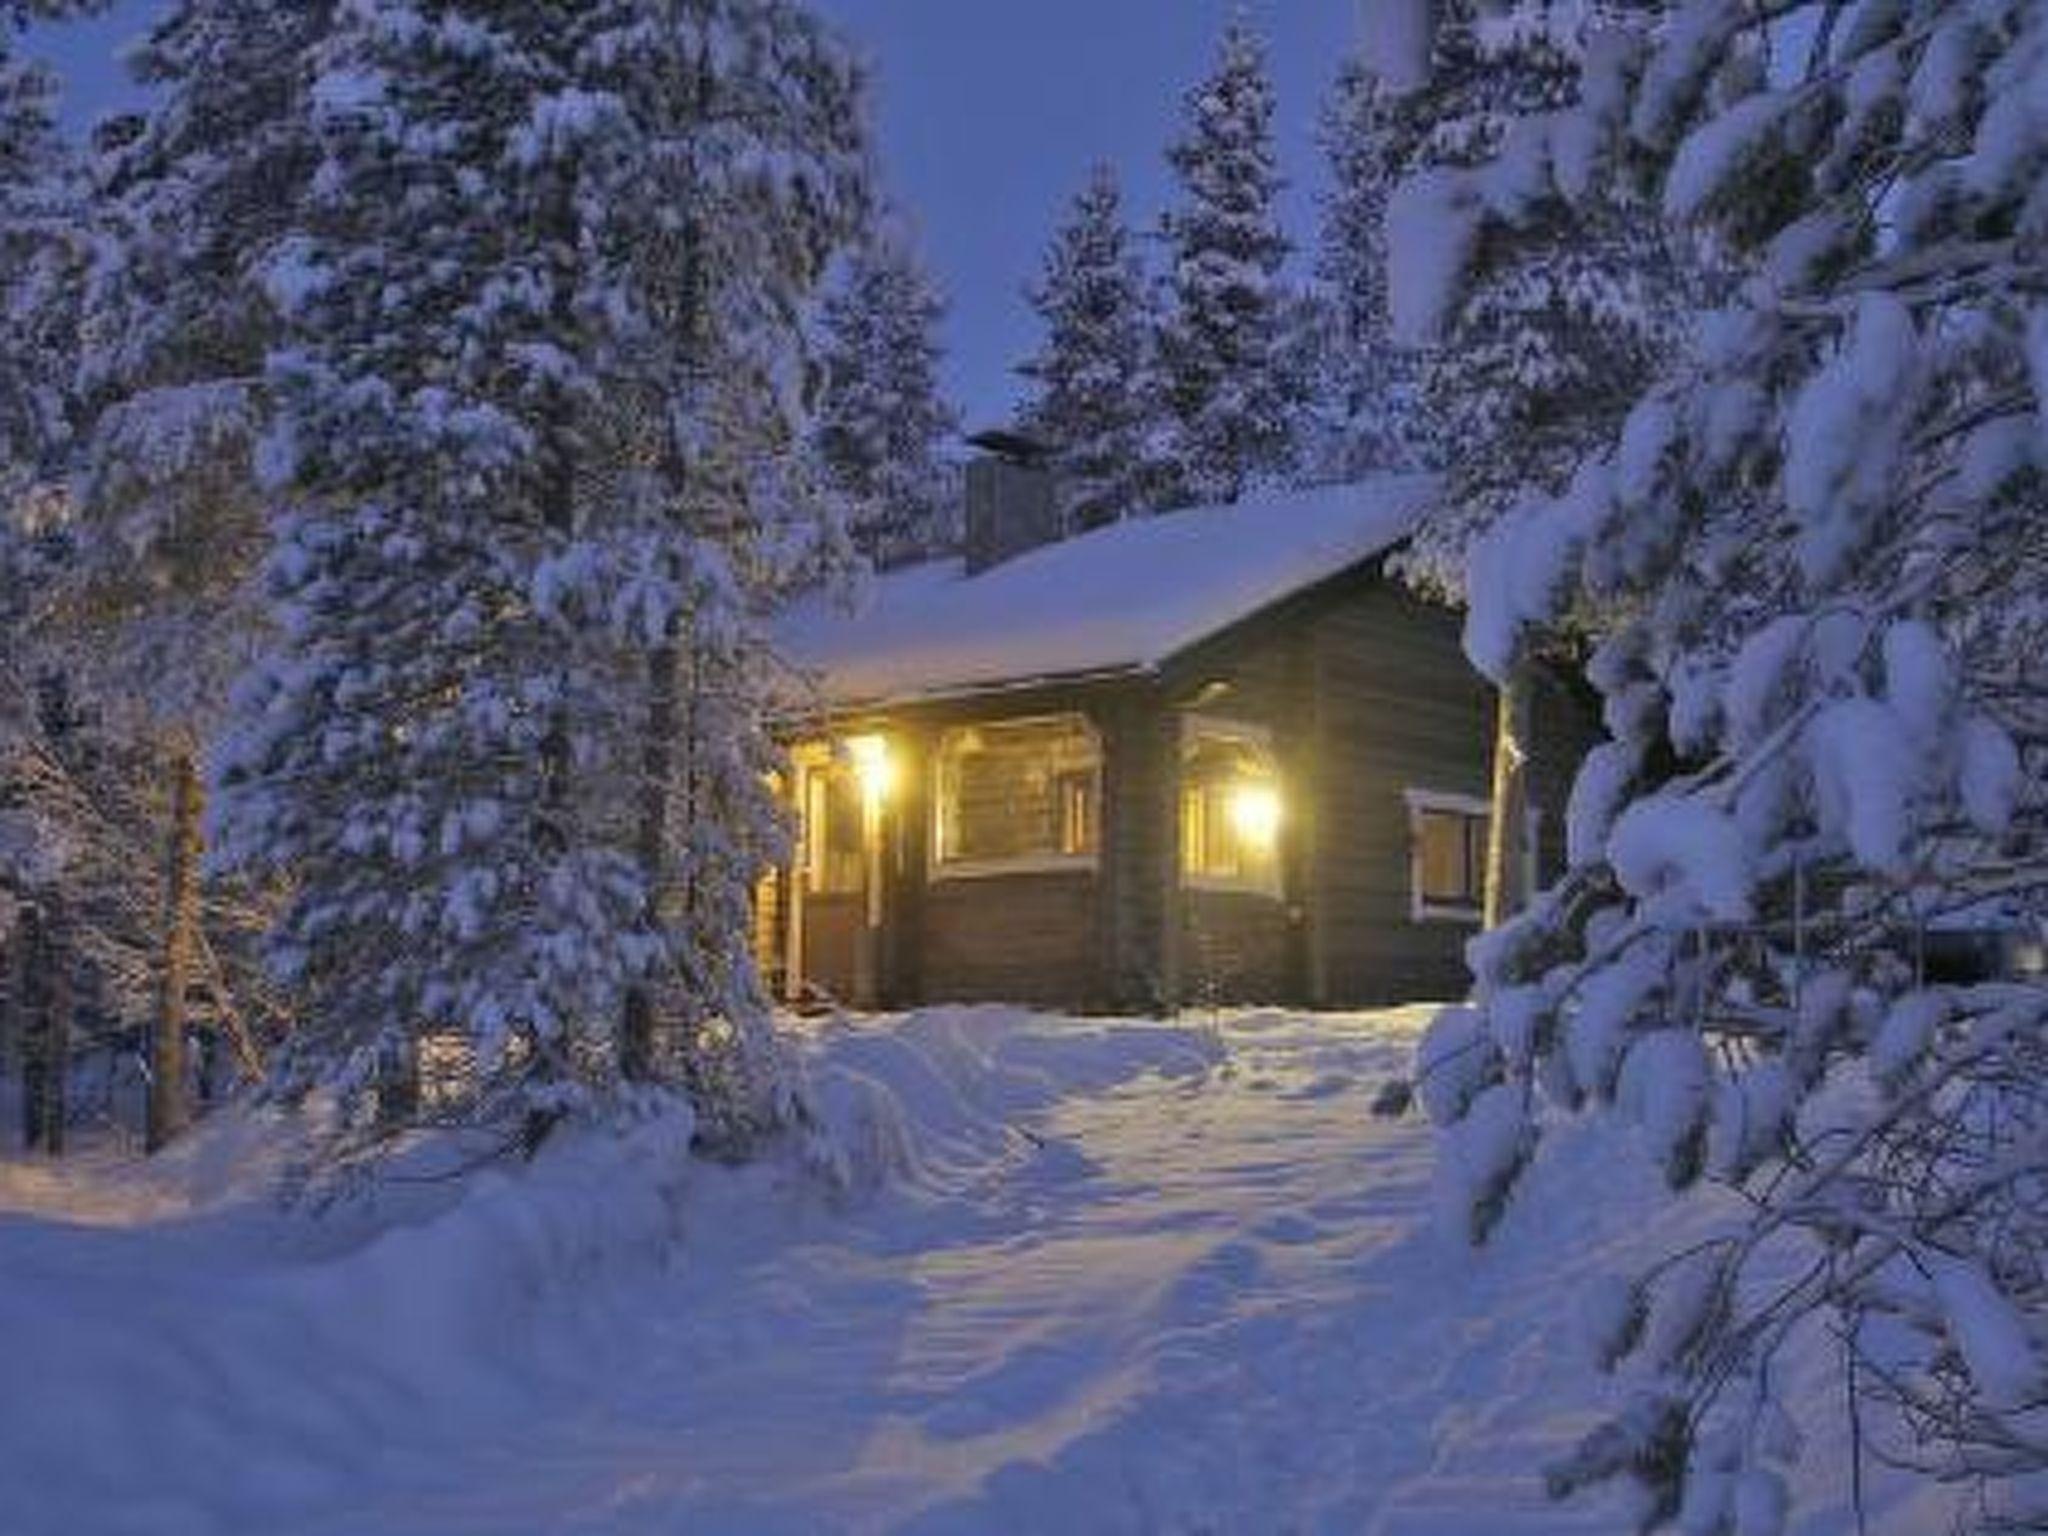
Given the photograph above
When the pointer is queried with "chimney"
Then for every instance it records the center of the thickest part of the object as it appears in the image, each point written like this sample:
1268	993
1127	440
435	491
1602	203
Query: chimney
1010	502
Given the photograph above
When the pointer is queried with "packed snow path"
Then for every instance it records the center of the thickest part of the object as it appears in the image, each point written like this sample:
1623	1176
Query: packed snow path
1158	1309
1117	1278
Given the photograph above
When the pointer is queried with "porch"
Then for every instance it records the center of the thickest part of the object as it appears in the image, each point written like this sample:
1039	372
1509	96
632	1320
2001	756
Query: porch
1097	853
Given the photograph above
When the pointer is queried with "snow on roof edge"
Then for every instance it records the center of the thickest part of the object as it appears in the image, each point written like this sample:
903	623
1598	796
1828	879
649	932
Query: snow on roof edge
1113	602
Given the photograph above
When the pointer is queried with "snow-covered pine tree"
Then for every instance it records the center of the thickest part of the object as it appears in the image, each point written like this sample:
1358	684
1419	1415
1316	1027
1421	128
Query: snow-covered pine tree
537	231
1097	405
1230	395
1364	386
1815	553
882	420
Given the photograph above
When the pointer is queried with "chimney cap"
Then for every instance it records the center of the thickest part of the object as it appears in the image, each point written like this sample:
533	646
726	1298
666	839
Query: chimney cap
1008	443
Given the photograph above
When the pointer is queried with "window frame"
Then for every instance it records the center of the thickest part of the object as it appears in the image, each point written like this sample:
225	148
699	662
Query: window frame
1272	883
939	867
1418	803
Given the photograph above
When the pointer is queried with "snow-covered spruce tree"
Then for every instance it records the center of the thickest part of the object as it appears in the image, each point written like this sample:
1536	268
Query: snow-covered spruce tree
881	420
160	608
756	109
1816	562
1538	317
1231	399
1096	404
537	232
53	851
42	250
1364	385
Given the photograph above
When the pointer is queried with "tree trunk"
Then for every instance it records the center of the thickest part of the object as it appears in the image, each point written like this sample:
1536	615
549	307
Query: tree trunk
56	1047
168	1111
657	759
1507	836
17	1022
637	1056
40	999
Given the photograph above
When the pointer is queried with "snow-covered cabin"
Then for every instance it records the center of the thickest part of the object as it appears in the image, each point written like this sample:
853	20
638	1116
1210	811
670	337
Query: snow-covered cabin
1214	755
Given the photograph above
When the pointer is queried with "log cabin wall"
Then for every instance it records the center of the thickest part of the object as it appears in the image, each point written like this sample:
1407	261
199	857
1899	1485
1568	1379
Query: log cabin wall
1364	693
832	935
1026	935
1250	946
1022	938
1140	961
1368	695
1396	708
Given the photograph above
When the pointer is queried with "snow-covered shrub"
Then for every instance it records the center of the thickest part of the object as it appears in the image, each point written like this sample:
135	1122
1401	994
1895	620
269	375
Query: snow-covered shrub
1815	567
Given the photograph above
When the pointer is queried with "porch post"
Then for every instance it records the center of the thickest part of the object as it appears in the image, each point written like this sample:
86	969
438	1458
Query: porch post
867	951
799	884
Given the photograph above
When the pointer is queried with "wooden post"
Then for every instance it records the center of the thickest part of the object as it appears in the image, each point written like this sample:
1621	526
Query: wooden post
867	961
1167	736
799	886
1507	829
168	1111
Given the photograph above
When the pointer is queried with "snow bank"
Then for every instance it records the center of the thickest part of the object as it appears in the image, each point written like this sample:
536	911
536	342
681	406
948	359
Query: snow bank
918	1098
207	1361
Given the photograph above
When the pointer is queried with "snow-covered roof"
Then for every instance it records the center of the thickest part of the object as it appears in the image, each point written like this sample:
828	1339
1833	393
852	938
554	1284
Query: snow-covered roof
1120	599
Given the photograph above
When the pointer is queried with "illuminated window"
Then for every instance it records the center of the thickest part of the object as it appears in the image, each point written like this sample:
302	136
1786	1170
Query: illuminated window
1230	808
834	863
1447	839
1018	793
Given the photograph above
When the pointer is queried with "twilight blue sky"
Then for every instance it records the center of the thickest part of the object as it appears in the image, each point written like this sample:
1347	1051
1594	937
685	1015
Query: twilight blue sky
990	112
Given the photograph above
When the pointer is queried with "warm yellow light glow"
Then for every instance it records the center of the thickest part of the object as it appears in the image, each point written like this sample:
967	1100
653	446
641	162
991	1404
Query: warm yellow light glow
1255	814
872	765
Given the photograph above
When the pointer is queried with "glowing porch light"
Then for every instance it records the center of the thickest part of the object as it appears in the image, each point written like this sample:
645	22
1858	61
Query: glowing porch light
872	766
1255	814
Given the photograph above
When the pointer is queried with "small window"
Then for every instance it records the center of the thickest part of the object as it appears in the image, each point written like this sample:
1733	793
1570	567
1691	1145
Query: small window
1019	793
834	863
1229	808
1447	834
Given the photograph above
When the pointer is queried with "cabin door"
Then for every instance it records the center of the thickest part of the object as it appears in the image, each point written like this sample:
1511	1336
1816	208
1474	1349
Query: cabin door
831	915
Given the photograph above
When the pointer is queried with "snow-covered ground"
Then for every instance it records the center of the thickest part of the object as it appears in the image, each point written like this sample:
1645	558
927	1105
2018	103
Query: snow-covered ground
1071	1276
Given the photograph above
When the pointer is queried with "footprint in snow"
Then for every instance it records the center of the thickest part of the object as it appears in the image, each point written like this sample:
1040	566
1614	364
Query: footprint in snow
1211	1285
1290	1228
1034	1379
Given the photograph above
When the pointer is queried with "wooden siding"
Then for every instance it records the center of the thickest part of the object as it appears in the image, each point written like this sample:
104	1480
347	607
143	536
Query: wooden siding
1397	707
1237	947
1140	952
1252	947
831	938
1023	938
